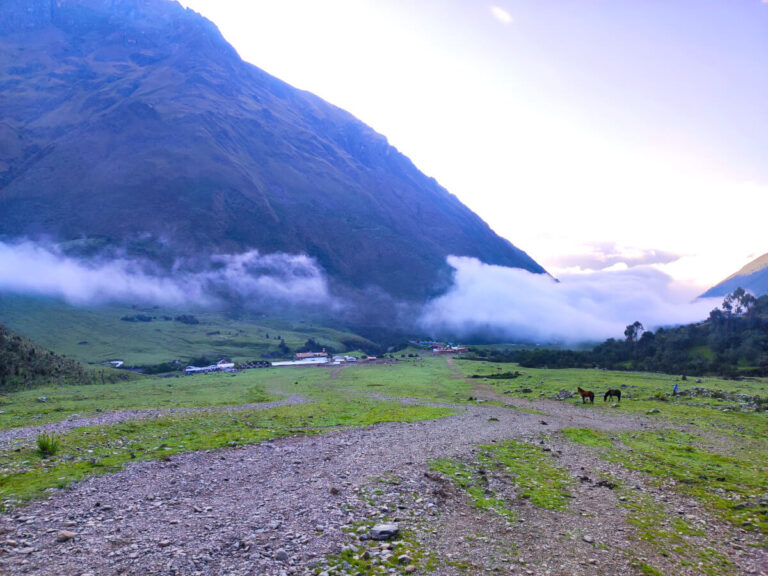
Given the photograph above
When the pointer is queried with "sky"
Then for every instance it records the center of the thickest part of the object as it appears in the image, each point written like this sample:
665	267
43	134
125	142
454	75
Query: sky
595	135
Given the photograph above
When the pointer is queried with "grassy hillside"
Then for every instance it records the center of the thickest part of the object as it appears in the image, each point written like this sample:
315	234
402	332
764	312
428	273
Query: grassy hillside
27	365
154	335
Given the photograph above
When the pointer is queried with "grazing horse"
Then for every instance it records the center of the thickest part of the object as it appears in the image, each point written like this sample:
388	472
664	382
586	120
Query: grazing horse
611	393
587	394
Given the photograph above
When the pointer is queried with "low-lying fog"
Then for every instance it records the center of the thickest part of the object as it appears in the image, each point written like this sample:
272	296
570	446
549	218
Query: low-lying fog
484	301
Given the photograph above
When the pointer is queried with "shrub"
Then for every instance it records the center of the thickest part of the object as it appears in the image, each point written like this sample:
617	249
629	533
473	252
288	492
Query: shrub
47	445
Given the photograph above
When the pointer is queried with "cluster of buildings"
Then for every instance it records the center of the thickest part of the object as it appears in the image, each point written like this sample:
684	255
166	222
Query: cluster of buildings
315	358
299	359
438	347
220	366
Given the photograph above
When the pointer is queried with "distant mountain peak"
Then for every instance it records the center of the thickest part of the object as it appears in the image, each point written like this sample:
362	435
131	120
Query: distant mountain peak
752	277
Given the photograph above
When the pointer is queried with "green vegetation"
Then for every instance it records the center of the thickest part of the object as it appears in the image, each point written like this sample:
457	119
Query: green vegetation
98	450
23	408
371	557
731	483
98	334
430	380
727	406
587	437
470	480
427	379
732	342
692	453
24	364
674	538
47	445
532	471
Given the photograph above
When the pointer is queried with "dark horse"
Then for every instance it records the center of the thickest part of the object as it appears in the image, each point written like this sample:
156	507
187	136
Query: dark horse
612	392
587	394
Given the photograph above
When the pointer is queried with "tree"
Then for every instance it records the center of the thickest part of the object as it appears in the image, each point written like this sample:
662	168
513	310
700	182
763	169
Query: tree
738	302
633	331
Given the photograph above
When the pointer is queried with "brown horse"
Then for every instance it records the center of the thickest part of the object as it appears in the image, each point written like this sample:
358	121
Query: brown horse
587	394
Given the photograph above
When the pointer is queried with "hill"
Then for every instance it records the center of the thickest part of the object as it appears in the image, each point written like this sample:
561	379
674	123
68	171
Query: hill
24	364
752	277
154	335
132	127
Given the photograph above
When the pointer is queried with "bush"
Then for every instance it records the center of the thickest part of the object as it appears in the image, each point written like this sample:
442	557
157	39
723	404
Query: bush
47	445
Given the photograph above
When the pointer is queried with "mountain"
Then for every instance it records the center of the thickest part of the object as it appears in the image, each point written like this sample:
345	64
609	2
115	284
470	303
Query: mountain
133	126
752	277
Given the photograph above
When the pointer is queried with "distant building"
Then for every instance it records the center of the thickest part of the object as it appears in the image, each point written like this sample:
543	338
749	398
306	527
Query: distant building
220	366
303	362
305	355
449	349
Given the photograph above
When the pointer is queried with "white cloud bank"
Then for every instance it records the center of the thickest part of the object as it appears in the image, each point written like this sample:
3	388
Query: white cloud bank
518	305
31	268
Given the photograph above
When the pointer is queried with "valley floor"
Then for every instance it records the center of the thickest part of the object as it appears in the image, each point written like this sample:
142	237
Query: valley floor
457	486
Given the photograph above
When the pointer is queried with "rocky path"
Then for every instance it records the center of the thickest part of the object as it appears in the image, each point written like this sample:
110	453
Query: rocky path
281	507
16	435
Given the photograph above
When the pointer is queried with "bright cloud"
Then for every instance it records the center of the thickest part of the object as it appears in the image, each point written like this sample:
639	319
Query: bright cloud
31	268
607	255
518	305
501	15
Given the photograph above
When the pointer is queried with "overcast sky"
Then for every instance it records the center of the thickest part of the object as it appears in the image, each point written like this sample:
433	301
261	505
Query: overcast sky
590	133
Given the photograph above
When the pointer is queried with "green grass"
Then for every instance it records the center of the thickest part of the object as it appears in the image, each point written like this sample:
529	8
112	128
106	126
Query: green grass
47	445
733	483
641	392
587	437
671	537
23	409
532	471
96	334
98	450
730	482
429	380
468	478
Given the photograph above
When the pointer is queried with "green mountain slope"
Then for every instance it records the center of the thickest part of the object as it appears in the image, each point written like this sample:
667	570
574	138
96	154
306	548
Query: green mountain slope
153	335
752	277
133	124
24	364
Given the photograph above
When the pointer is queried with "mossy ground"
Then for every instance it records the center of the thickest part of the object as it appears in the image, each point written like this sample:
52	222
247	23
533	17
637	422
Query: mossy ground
24	474
712	449
730	482
429	380
532	471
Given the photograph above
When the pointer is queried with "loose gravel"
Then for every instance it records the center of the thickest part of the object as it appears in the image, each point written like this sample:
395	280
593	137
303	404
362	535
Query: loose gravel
293	505
8	438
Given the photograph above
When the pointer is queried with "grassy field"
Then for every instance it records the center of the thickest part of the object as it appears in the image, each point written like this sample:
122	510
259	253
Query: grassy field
727	407
427	380
712	445
26	473
97	334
